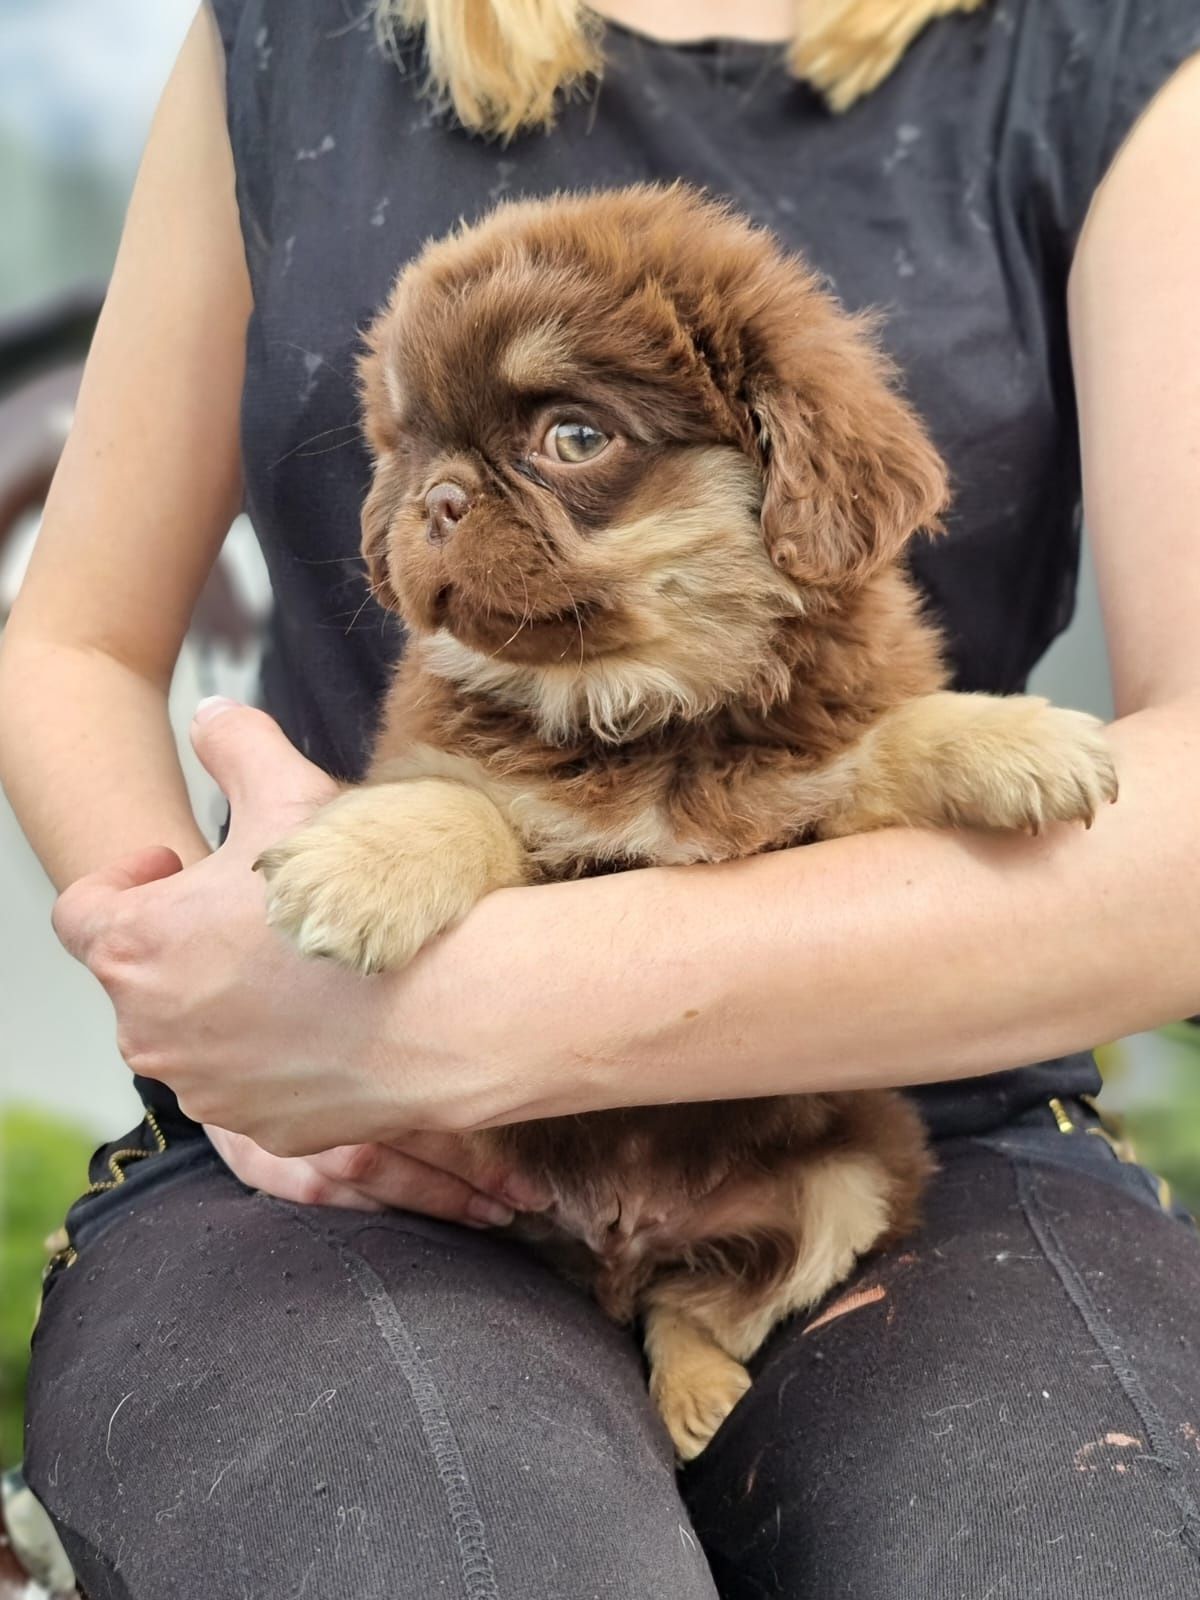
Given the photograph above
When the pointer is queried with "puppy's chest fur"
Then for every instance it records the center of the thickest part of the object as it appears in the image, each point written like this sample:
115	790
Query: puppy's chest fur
673	800
744	781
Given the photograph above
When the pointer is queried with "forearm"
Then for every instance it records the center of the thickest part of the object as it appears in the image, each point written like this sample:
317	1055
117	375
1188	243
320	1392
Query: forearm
147	486
88	759
887	958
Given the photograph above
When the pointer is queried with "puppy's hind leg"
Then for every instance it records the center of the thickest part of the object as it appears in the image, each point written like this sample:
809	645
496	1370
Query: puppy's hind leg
695	1384
702	1324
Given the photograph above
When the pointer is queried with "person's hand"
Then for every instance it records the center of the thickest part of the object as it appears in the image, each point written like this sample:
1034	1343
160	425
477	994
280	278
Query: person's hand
432	1174
298	1055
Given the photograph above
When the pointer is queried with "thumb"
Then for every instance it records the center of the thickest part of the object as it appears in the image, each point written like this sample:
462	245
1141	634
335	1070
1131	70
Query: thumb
86	905
251	759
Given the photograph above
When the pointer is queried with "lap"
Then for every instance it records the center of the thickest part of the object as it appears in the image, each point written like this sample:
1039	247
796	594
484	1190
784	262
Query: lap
1008	1409
243	1398
272	1401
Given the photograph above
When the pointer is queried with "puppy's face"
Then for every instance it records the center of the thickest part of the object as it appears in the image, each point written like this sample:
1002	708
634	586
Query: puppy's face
595	464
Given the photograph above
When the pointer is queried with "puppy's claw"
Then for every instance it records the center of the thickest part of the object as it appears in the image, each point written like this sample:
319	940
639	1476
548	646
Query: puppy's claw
382	870
334	897
325	907
1044	764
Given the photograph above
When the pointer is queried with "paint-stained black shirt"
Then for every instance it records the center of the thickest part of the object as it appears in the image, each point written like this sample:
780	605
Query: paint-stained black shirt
951	200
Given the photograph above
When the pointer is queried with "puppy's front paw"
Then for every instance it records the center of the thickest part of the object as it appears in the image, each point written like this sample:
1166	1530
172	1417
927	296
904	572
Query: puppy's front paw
380	871
1034	763
695	1391
332	895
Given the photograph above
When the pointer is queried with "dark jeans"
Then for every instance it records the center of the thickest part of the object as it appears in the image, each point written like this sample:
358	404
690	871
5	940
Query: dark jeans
236	1399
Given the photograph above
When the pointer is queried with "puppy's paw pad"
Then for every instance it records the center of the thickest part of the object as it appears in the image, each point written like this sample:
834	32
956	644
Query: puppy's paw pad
695	1396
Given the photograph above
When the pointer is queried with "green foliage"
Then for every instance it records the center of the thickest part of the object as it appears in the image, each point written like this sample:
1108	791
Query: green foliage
1152	1084
43	1167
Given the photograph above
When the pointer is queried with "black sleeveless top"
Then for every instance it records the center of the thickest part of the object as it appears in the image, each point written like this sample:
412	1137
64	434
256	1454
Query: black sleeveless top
951	200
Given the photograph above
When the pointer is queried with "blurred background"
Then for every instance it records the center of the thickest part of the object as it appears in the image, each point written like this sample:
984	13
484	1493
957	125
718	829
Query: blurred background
79	80
78	83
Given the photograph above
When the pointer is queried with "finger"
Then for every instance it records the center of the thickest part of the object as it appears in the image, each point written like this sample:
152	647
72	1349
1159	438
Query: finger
263	776
292	1178
406	1184
453	1154
86	905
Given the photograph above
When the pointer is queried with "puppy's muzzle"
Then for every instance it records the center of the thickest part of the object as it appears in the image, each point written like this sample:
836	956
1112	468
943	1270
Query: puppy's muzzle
447	504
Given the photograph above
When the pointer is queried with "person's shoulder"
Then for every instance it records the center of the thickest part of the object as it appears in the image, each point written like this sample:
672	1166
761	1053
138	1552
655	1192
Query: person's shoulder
1086	71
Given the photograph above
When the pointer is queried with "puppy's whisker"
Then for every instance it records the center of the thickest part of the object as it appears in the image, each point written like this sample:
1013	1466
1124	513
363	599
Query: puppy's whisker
307	455
373	593
330	561
566	588
517	631
358	612
526	619
303	445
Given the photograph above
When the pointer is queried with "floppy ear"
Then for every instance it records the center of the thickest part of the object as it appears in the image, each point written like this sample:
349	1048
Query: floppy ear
849	474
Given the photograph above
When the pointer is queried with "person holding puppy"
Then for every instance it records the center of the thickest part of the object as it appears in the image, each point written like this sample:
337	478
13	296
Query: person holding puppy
273	1360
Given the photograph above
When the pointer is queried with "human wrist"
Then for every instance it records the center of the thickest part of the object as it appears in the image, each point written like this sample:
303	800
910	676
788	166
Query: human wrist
587	994
489	1010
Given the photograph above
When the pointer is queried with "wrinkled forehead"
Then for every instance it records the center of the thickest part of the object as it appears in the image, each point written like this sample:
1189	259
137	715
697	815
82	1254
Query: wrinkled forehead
464	356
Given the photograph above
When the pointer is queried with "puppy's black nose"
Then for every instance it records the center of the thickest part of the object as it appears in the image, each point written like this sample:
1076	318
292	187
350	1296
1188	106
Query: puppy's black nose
446	504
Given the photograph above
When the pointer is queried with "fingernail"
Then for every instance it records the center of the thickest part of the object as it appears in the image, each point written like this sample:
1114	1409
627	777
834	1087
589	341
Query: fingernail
212	706
525	1194
489	1213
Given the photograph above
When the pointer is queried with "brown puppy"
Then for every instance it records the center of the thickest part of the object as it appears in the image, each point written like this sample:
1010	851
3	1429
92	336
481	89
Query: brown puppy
641	494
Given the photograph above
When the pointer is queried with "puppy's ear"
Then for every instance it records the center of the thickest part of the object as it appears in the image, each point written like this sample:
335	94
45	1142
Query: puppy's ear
849	474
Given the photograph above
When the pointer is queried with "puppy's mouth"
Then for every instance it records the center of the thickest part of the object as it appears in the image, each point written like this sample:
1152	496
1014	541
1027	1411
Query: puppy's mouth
579	631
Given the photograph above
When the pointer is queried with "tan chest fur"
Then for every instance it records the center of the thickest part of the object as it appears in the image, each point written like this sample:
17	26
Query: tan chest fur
755	778
663	813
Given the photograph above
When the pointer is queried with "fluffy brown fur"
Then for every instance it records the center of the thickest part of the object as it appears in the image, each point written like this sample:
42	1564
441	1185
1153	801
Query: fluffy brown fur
695	644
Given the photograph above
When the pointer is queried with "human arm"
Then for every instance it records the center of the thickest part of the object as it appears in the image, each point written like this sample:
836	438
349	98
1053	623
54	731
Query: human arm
910	957
145	491
148	483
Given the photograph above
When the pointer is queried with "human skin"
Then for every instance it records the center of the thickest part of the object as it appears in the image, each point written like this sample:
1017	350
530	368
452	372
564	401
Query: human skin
885	959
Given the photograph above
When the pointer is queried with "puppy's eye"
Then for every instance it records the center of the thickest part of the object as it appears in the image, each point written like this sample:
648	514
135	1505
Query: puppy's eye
574	442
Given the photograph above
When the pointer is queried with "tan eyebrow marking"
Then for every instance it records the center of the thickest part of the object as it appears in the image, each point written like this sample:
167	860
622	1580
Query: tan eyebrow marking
535	357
